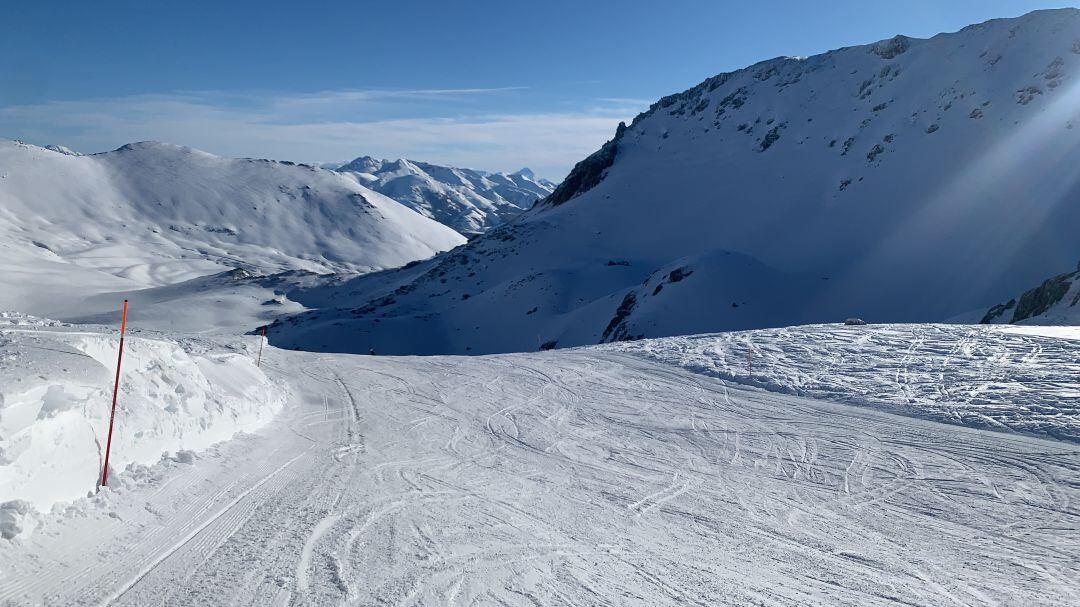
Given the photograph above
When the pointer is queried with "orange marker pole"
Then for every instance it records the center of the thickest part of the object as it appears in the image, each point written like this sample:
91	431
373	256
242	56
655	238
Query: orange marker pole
262	338
116	388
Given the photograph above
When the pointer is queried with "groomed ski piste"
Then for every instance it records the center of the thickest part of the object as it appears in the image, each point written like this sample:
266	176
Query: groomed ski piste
863	465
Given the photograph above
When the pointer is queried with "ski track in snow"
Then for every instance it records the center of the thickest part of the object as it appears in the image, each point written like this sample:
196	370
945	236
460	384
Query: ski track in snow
583	477
1001	378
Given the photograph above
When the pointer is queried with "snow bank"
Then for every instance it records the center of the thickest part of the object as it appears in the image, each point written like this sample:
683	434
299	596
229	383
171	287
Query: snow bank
55	392
980	376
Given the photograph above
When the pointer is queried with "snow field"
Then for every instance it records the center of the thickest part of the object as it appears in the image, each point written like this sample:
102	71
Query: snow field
1000	378
571	477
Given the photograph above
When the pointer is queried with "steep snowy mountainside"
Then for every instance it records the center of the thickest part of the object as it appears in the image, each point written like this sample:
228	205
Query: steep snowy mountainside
467	200
1054	302
151	214
905	180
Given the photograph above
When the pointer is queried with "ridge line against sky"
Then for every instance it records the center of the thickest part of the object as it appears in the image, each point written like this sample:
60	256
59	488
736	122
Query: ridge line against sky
486	85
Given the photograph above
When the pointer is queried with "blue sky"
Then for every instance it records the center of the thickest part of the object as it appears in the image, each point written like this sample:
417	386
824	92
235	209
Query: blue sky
491	85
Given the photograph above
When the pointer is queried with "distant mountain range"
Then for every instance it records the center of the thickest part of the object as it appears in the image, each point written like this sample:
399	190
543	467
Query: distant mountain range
151	214
470	201
905	180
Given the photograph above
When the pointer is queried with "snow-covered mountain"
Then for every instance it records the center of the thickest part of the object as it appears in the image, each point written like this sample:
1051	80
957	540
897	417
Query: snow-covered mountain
151	214
905	180
467	200
1054	302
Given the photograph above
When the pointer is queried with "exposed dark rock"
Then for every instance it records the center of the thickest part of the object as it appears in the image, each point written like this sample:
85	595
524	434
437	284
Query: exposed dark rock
1041	298
770	138
617	329
587	173
1025	95
678	274
876	151
997	312
892	48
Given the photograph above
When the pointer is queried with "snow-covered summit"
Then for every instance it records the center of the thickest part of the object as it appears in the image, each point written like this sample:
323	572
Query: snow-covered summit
62	150
905	180
150	214
468	200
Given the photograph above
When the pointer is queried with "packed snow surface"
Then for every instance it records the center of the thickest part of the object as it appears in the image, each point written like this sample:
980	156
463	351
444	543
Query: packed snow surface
588	476
975	376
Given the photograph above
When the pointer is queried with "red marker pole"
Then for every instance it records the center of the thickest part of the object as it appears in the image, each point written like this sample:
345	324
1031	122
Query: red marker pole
116	388
262	338
750	360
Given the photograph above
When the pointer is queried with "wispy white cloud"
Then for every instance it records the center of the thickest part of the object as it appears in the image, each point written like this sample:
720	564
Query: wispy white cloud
324	126
351	97
634	101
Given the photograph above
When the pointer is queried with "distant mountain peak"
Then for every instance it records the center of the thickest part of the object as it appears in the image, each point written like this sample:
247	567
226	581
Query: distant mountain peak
468	200
60	149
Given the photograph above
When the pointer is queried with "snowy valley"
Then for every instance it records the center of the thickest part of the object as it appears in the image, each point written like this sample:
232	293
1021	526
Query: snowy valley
634	387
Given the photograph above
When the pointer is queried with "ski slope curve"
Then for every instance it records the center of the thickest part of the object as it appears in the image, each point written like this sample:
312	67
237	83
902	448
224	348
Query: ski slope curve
571	477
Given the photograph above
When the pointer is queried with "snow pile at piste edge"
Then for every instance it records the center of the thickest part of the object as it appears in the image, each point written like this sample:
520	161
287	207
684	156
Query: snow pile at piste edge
55	392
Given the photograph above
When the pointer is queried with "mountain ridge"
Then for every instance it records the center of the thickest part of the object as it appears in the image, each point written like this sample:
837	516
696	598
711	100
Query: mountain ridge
903	180
468	200
150	214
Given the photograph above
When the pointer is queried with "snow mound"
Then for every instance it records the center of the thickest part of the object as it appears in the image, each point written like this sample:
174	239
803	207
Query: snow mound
55	395
978	376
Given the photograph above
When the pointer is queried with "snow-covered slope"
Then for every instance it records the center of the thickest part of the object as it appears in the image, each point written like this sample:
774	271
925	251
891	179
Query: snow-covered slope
900	181
152	214
1054	302
467	200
